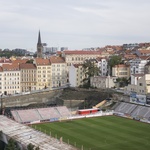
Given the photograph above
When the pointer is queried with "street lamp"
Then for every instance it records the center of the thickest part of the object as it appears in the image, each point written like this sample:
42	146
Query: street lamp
1	104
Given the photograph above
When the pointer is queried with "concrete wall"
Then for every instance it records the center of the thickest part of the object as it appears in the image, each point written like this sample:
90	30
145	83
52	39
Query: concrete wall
25	100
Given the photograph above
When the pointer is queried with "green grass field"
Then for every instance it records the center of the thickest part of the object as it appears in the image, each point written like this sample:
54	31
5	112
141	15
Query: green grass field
101	133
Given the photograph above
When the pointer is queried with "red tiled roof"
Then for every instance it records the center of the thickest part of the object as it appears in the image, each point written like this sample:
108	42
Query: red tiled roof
5	61
144	51
19	61
145	57
27	66
77	65
41	61
100	58
59	52
130	56
81	52
56	59
10	67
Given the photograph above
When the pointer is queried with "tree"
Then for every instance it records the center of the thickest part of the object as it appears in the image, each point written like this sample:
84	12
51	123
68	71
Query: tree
30	61
90	70
122	82
30	147
12	145
37	148
114	60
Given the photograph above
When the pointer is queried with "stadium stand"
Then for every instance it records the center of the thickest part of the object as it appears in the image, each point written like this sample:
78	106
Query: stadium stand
26	135
40	114
48	113
125	108
133	110
141	112
63	111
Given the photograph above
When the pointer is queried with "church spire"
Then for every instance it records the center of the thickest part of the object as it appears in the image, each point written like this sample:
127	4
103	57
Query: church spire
39	38
39	46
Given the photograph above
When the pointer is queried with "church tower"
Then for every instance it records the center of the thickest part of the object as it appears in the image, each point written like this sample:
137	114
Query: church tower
39	47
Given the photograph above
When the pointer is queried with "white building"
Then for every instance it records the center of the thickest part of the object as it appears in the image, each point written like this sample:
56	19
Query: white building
102	64
1	81
137	65
58	71
11	79
76	75
140	84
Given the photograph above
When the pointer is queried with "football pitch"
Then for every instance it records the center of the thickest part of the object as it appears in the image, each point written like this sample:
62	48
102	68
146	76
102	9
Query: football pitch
101	133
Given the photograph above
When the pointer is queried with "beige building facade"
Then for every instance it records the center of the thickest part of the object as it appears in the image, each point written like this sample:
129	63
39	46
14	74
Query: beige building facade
79	56
43	74
121	71
28	77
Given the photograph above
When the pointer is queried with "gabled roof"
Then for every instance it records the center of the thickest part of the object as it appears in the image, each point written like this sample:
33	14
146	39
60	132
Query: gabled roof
82	52
56	59
144	51
41	61
144	57
27	66
130	56
19	61
10	67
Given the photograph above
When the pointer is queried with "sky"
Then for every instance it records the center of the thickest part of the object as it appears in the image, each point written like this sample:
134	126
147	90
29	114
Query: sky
75	24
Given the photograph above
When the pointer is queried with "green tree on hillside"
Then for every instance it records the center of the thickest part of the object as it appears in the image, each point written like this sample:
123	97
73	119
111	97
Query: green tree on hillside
114	60
30	61
90	70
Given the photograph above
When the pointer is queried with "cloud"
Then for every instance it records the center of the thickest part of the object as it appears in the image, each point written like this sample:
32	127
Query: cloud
73	23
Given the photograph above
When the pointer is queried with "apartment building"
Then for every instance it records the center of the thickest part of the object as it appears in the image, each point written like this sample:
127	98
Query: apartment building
76	75
121	71
137	66
79	56
58	71
140	84
102	64
143	52
43	74
1	81
28	77
11	79
147	68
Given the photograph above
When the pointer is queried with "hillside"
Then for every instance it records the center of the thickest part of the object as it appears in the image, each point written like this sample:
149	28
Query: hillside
90	97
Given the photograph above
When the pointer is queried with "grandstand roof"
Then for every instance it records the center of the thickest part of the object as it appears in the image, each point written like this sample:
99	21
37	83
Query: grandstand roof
26	135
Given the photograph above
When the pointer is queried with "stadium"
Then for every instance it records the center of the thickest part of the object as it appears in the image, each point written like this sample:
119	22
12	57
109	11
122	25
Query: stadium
124	126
